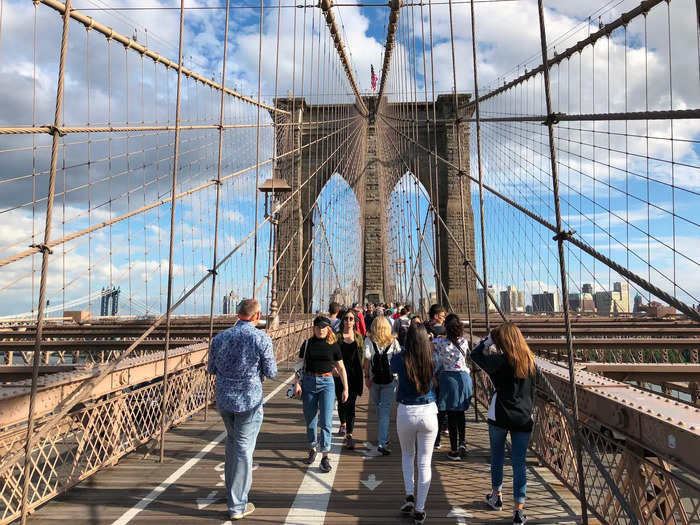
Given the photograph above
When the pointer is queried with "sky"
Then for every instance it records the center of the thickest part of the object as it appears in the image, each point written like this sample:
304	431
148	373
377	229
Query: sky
640	211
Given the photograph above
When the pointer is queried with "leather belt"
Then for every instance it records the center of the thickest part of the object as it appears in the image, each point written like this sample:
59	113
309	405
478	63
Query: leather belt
327	374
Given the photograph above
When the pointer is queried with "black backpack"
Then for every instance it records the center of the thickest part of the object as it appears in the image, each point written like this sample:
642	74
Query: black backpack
381	371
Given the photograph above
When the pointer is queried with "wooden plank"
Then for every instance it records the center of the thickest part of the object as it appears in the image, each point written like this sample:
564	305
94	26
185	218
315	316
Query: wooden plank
280	451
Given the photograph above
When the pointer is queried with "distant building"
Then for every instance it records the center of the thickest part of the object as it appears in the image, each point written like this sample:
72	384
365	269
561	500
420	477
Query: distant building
587	303
587	288
575	302
482	299
638	304
546	302
615	302
512	300
623	291
656	309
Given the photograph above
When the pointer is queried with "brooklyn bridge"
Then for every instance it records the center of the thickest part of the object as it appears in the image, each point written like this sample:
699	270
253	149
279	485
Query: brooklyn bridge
511	160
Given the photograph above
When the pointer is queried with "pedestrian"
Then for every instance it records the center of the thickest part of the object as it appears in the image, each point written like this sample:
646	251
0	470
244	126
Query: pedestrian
352	349
333	311
454	383
240	358
369	315
416	419
512	372
436	318
435	327
401	325
321	355
380	346
360	325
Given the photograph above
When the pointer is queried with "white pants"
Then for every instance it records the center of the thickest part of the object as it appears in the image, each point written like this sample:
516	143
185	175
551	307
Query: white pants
417	427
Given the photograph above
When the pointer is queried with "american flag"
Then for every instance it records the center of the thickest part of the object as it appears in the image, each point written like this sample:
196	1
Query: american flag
373	77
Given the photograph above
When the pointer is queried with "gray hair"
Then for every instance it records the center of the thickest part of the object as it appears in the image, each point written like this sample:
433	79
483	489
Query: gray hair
248	307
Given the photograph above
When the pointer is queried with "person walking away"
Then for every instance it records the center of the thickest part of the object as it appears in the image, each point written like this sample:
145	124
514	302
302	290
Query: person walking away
240	358
360	325
435	327
369	315
454	383
320	354
333	311
512	372
352	350
401	325
416	419
380	346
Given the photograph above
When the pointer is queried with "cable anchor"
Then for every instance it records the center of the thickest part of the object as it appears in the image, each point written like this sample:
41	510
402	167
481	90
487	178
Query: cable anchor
564	235
213	271
43	248
552	119
55	130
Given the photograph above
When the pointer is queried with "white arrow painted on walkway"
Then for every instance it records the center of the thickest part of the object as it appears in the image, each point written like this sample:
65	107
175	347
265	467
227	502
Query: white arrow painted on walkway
460	514
371	482
205	502
221	483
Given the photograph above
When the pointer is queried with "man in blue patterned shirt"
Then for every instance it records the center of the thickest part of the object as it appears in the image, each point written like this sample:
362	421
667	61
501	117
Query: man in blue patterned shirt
241	357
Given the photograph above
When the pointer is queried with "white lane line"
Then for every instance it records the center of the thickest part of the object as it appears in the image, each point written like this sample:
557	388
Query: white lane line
156	492
311	502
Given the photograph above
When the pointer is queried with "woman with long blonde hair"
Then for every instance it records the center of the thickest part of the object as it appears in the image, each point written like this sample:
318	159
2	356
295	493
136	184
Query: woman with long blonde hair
512	371
380	346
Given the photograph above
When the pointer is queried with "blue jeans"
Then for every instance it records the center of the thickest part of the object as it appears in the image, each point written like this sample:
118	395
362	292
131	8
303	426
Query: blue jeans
318	395
382	396
519	442
242	432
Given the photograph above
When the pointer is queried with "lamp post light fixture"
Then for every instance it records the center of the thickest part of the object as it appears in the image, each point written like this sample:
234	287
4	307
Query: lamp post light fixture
400	265
273	188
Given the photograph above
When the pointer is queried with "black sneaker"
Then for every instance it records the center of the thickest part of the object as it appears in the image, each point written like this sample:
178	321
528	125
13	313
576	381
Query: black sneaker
384	451
409	504
418	517
325	464
437	444
519	517
494	501
462	451
454	455
311	457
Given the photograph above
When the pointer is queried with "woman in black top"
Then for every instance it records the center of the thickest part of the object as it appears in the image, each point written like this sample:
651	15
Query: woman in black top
351	347
321	355
512	372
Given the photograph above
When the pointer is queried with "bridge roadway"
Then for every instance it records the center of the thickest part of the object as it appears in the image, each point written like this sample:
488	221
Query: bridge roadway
362	488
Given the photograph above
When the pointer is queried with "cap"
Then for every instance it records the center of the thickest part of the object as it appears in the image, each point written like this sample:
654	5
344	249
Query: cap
322	321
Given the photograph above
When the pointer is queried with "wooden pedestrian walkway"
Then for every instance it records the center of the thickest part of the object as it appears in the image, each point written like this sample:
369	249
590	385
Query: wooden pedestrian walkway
362	488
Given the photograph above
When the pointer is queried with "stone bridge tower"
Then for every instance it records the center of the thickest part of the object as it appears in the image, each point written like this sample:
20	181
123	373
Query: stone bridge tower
370	153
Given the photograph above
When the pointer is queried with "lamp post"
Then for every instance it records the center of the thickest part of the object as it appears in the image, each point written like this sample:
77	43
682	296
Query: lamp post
401	276
272	188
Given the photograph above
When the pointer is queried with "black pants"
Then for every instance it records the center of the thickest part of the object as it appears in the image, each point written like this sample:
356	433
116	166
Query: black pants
346	411
456	425
442	423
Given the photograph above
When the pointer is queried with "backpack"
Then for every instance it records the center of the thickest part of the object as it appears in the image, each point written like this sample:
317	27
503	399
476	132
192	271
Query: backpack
380	366
402	330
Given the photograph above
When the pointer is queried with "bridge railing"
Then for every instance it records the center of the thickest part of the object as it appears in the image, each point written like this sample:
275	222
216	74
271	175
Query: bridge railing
122	413
640	462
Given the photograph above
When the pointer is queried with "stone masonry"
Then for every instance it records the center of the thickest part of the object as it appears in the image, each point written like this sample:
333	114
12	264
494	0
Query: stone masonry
372	153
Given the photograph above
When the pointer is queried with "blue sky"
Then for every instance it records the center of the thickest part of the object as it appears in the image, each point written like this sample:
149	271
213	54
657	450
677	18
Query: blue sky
112	176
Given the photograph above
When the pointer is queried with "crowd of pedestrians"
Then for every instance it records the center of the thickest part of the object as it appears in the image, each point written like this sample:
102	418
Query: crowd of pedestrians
394	354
